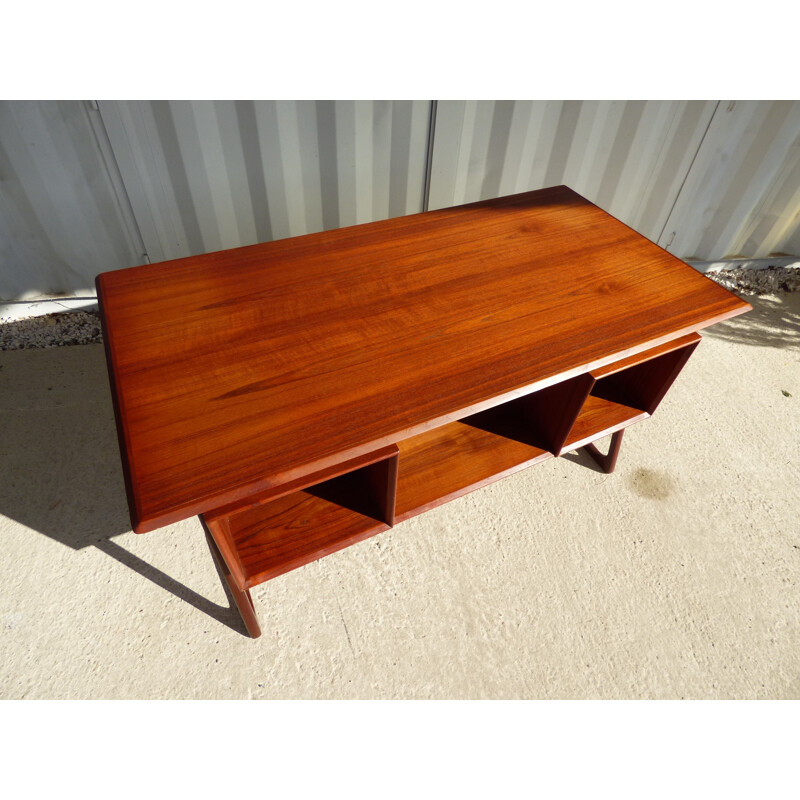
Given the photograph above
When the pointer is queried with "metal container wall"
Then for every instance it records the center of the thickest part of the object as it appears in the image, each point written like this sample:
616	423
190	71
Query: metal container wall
87	188
63	213
741	198
706	180
628	157
209	175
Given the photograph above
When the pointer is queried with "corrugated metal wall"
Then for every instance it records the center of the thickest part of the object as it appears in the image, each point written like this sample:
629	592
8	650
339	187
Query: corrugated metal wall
62	214
205	176
741	198
706	180
86	189
629	158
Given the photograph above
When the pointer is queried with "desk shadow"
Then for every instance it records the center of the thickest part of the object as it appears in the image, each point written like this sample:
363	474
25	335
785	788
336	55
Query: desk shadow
227	616
773	322
585	460
60	470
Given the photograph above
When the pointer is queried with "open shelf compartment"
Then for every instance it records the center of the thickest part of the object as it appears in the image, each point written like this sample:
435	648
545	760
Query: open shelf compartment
629	390
290	529
447	462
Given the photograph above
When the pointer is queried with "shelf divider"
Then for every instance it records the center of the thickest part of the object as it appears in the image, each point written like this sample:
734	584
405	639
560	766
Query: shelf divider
643	384
628	391
599	418
294	526
447	462
295	530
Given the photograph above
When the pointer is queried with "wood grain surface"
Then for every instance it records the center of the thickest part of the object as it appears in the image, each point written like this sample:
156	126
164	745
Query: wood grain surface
301	483
237	371
628	391
643	385
449	461
599	418
647	355
292	531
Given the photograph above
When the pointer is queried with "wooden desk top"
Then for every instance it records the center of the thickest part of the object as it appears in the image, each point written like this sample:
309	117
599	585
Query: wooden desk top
239	370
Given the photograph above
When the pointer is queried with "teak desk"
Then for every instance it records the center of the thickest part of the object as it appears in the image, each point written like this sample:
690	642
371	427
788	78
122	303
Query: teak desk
305	394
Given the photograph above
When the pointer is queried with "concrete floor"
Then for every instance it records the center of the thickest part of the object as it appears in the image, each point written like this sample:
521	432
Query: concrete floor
675	577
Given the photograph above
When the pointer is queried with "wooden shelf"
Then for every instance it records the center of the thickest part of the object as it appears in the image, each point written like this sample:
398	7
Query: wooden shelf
276	537
598	418
642	381
691	341
257	415
452	460
293	525
370	329
628	391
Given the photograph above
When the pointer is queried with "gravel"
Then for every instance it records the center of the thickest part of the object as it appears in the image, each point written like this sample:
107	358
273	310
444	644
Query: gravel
83	327
51	330
772	280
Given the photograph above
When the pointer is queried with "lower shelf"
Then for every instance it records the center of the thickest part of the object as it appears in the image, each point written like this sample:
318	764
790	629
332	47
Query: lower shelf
294	530
357	499
598	418
450	461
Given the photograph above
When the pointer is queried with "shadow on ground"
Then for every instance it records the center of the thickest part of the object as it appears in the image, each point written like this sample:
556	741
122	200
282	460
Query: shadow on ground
60	471
583	459
773	322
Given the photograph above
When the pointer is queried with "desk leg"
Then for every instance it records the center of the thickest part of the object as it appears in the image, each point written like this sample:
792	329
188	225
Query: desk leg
609	461
242	598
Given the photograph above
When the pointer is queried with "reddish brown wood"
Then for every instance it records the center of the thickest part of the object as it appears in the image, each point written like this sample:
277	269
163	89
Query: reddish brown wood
385	454
445	463
557	407
369	491
542	419
692	339
644	384
241	597
382	480
627	391
236	372
609	461
219	528
263	540
599	418
294	530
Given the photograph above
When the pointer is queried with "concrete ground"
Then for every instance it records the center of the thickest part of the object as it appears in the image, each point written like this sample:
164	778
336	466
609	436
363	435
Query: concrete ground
675	577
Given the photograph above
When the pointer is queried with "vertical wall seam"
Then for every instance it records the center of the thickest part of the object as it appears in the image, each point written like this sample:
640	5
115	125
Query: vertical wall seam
688	172
109	158
426	190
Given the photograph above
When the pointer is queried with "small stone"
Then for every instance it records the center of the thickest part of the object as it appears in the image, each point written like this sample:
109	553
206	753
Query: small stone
772	280
51	330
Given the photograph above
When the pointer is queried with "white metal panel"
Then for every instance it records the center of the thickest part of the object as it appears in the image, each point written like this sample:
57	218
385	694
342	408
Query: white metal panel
741	198
708	180
209	175
63	214
629	157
